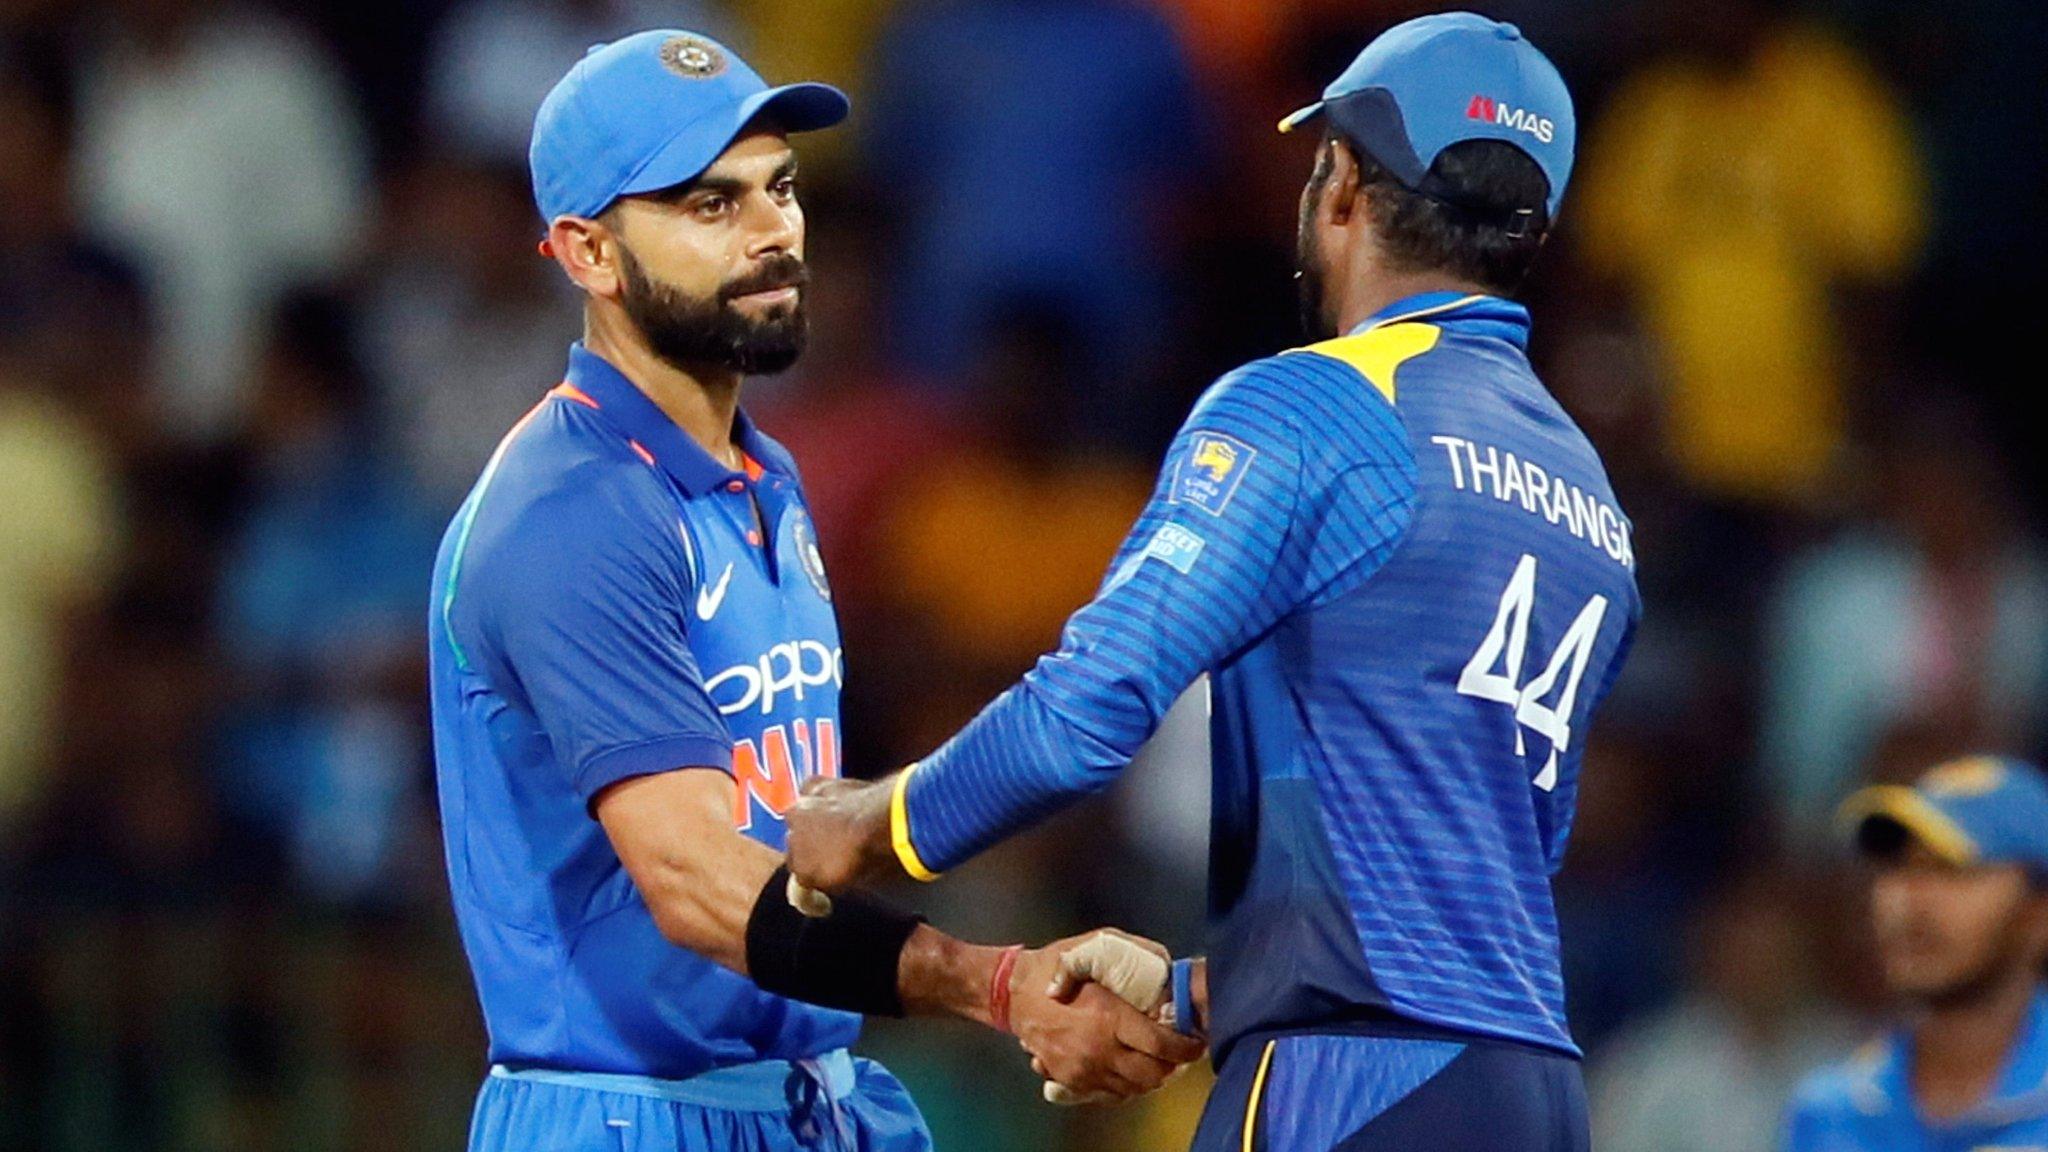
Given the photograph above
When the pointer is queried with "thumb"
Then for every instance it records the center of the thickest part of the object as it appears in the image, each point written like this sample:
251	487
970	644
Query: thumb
1134	974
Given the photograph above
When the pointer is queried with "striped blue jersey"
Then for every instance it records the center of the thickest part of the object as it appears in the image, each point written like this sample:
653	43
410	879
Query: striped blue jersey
1403	568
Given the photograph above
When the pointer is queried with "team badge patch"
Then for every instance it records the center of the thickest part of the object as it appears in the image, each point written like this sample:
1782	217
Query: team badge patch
1210	475
692	57
1172	545
805	540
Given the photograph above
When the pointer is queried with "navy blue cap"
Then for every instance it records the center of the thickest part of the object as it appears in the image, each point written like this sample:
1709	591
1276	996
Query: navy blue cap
1983	810
652	111
1441	80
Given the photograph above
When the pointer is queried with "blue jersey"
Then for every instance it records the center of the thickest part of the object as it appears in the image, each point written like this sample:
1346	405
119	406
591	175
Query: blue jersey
610	602
1866	1103
1403	566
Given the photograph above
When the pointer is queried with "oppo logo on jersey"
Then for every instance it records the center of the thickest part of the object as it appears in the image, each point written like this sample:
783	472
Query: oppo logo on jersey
1513	119
789	669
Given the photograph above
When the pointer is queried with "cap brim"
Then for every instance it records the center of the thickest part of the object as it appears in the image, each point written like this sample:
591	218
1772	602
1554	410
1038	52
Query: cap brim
1909	813
1301	116
805	107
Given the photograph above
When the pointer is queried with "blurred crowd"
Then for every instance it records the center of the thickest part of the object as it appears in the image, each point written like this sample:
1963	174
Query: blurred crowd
269	296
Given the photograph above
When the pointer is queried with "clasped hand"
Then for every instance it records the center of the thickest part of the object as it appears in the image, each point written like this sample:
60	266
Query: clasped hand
1087	1009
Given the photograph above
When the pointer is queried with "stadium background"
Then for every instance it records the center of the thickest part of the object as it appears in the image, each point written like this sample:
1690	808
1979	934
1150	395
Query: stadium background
268	295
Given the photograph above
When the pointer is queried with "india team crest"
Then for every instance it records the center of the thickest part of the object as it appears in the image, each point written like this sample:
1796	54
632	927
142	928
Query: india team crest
805	539
692	57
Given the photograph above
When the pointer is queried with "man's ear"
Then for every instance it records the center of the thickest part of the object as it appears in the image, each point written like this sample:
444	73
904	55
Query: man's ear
588	253
1344	190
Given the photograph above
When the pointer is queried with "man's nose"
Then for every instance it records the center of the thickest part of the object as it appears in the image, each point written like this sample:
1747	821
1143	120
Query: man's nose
772	226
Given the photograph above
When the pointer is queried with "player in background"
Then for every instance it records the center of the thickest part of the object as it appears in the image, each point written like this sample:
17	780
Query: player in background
1959	910
1403	568
635	663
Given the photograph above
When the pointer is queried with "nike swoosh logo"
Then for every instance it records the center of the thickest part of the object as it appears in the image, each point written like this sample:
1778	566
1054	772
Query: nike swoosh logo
708	599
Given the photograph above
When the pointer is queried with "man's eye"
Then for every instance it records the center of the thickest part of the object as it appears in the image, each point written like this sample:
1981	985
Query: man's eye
712	207
785	187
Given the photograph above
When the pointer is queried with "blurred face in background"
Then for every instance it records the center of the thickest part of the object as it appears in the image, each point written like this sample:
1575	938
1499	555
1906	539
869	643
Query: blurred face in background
1949	935
712	272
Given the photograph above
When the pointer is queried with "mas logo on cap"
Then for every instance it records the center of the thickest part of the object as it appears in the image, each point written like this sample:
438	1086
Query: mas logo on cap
692	57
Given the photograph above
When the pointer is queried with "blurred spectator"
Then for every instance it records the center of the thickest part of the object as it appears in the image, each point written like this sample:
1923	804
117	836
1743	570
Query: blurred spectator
1623	894
1737	185
466	325
322	593
1712	1072
65	303
861	430
1933	614
1029	149
1010	531
60	528
492	61
219	148
69	305
1235	46
829	40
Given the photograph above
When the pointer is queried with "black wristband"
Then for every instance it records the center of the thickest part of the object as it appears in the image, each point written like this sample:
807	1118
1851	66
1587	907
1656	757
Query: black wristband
847	960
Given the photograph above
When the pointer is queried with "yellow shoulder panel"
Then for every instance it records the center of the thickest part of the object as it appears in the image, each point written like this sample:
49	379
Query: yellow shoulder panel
1378	353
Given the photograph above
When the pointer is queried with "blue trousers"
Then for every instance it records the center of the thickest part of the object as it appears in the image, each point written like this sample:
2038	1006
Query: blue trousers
1347	1093
832	1104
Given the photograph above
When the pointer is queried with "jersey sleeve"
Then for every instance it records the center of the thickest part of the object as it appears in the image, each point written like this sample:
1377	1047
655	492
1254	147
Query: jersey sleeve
1808	1125
1253	516
582	604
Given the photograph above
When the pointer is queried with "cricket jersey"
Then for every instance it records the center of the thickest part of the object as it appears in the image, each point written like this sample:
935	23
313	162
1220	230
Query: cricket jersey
1405	571
611	602
1865	1104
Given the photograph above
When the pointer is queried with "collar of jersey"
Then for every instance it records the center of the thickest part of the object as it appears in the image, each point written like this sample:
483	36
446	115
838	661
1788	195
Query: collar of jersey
628	410
2020	1093
1463	312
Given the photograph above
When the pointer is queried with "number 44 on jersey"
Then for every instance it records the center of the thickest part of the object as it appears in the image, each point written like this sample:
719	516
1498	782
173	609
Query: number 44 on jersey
1492	672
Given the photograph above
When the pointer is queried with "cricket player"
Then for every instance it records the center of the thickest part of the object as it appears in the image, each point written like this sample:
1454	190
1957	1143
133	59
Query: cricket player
1403	568
635	664
1959	908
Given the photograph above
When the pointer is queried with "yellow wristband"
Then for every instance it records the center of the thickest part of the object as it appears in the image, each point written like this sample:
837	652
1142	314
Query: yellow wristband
899	829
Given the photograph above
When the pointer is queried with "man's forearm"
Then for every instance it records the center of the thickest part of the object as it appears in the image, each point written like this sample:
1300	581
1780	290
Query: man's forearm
938	975
1017	763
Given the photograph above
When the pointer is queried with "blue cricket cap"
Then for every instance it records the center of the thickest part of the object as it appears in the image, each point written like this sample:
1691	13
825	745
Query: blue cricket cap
1983	810
652	111
1441	80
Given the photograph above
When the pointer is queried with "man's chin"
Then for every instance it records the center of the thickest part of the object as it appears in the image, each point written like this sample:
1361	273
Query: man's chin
770	362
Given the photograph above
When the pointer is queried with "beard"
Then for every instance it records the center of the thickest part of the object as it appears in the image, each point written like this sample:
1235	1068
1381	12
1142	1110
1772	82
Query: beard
692	332
1310	282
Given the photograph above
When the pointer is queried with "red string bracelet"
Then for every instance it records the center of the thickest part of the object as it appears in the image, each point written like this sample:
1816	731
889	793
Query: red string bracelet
999	987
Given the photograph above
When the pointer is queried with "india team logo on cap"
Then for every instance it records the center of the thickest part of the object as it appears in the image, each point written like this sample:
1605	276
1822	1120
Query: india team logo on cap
692	57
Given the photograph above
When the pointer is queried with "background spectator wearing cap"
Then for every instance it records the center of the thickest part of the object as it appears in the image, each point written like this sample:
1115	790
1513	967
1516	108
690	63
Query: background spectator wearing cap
1959	912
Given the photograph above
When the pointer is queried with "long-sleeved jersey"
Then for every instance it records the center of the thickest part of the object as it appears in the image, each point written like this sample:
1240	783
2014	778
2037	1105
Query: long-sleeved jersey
1405	571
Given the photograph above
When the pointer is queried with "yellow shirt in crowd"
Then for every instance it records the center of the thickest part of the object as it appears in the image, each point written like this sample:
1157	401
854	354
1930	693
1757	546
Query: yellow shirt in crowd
1734	204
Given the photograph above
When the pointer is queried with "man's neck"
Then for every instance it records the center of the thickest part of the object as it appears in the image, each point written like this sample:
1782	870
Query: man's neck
1371	294
1958	1050
702	402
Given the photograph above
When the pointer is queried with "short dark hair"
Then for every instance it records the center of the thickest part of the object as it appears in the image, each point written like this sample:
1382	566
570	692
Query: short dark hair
1480	214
